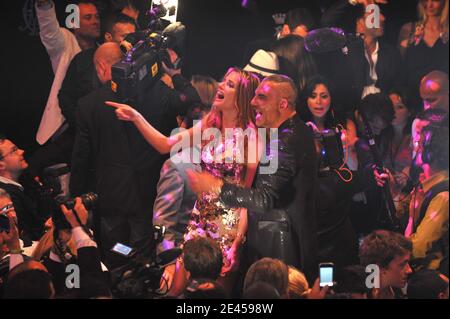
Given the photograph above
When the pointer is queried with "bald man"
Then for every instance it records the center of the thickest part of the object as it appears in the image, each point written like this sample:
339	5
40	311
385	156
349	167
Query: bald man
126	168
434	90
105	57
282	219
80	80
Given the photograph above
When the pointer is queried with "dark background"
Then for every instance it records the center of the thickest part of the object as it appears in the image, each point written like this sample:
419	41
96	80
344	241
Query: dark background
218	33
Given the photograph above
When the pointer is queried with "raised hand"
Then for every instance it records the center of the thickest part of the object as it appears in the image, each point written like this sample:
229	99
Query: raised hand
124	112
81	211
203	182
317	292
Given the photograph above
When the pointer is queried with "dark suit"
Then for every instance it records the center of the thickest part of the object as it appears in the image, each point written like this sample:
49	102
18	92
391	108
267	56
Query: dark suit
351	73
282	216
31	220
126	166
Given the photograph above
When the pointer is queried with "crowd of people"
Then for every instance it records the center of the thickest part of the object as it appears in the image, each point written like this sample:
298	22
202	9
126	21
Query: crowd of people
298	158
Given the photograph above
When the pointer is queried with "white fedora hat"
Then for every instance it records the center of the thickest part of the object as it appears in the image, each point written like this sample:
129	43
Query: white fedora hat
264	63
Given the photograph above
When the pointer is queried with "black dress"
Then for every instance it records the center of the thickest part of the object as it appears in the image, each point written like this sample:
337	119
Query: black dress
421	59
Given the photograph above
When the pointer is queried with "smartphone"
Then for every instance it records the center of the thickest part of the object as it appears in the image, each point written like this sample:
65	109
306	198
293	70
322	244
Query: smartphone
123	250
326	274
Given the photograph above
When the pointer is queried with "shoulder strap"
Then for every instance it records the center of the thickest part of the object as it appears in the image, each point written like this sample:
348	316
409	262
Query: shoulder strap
429	196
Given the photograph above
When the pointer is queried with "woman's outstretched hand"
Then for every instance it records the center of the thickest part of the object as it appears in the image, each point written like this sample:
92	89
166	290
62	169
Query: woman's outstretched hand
124	112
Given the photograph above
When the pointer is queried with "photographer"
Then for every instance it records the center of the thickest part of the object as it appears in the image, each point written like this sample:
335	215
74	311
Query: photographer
335	140
31	279
428	203
369	207
126	169
93	281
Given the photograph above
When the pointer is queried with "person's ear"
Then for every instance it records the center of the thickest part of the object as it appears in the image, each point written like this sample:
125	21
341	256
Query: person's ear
103	67
284	104
108	37
2	166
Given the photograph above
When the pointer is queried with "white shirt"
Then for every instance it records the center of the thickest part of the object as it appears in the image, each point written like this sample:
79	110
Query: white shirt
372	89
61	46
5	180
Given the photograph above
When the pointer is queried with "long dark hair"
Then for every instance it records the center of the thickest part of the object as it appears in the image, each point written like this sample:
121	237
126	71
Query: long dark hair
295	61
403	93
332	118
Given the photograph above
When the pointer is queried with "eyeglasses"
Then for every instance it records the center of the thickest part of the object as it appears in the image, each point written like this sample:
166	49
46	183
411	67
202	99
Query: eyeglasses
13	151
5	208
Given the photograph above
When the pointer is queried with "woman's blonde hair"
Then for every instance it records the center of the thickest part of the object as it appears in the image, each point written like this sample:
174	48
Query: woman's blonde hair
443	21
46	243
245	91
298	286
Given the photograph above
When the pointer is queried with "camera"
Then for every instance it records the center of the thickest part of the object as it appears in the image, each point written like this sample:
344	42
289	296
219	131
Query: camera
142	65
331	150
140	277
54	191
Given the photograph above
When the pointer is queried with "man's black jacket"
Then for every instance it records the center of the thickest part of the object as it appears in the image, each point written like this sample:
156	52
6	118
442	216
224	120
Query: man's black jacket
126	166
282	215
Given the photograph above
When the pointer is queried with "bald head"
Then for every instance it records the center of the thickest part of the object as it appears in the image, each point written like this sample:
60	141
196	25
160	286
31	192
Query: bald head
274	101
434	90
105	57
285	87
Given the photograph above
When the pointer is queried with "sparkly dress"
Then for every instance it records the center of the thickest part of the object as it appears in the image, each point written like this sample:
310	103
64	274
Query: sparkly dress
211	218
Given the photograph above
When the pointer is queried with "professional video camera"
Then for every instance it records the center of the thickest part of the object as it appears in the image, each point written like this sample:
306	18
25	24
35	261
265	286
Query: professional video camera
142	65
331	149
141	275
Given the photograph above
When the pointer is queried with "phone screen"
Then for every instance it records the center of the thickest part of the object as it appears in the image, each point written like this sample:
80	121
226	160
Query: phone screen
326	276
122	249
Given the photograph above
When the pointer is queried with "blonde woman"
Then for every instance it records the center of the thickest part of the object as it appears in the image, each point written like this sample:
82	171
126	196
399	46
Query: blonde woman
431	27
231	109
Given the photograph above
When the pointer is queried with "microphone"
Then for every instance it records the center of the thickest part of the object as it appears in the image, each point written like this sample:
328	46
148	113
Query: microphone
325	40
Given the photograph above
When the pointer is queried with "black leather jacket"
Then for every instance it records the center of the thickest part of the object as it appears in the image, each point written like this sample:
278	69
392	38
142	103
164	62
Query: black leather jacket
282	219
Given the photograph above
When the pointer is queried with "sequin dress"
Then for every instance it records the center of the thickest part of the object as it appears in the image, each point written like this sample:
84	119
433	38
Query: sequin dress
211	218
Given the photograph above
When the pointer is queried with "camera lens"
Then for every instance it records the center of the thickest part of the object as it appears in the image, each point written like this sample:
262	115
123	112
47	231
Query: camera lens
89	200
